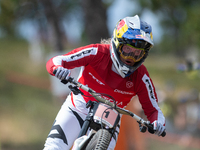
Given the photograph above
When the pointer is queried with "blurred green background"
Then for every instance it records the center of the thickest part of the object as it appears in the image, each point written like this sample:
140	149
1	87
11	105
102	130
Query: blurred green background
31	31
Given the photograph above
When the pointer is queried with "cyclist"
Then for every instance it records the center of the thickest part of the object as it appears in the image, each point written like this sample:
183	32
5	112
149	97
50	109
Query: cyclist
115	69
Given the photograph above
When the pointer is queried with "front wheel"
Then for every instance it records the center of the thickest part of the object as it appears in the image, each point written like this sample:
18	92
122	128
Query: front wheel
100	141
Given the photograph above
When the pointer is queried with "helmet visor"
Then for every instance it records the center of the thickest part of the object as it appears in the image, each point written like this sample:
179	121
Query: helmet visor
129	52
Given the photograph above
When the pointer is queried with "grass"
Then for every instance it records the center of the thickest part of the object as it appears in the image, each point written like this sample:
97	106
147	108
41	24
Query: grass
164	68
27	113
158	145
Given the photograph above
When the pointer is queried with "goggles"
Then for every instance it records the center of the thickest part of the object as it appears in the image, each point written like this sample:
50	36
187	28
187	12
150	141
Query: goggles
128	51
137	43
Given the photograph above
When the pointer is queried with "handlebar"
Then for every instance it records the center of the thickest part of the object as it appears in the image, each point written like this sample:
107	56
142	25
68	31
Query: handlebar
102	100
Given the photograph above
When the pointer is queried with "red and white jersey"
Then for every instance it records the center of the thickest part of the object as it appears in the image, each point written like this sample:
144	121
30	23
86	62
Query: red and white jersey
97	73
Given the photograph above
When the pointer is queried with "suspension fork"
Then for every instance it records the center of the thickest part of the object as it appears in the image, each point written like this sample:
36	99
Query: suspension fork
85	127
88	119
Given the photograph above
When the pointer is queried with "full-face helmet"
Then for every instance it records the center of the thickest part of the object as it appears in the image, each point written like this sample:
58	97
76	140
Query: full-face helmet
132	32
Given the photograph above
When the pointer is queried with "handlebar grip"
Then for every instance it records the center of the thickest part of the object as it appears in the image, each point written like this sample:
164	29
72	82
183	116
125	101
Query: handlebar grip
54	72
63	81
163	134
150	129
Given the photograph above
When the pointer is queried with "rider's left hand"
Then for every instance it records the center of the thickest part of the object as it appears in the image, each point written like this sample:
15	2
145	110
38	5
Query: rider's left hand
158	128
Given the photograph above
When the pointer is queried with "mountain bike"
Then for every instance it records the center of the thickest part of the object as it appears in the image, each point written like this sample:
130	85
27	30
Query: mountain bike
100	124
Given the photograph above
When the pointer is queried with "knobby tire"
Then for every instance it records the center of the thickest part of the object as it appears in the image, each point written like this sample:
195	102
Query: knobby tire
100	141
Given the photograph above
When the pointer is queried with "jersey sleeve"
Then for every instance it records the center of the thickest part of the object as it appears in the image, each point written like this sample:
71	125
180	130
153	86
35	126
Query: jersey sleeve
148	97
81	56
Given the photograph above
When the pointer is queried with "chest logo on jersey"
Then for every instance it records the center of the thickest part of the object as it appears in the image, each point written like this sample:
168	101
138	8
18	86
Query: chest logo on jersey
123	92
129	84
82	53
97	80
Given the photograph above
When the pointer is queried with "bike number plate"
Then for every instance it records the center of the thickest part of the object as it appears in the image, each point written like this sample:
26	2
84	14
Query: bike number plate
106	115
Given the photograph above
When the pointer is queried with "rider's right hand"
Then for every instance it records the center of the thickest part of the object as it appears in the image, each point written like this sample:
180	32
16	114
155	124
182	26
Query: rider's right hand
62	73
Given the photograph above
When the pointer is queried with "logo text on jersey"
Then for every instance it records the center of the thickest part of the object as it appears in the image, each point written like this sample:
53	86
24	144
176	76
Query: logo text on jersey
149	87
111	100
81	53
97	80
123	92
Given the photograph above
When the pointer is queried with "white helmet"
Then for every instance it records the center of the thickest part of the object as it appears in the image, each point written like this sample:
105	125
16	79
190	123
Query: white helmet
136	33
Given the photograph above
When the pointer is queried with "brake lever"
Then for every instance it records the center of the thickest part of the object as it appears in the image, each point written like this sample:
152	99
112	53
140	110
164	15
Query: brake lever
142	128
75	90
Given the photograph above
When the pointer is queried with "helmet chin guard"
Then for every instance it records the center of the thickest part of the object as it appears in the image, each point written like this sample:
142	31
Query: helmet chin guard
134	32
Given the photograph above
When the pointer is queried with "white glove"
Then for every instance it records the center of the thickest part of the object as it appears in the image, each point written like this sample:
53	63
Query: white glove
158	128
62	73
